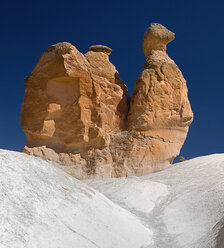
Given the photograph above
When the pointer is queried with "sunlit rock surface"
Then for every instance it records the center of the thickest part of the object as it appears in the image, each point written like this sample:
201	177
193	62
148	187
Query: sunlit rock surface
77	112
182	205
42	206
160	110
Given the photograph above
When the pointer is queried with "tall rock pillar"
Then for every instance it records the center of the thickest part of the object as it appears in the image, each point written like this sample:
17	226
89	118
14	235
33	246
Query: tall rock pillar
160	109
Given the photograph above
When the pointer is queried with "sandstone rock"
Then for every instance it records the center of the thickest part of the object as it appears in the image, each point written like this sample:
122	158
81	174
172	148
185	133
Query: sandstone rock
56	108
160	109
156	37
77	113
71	104
101	48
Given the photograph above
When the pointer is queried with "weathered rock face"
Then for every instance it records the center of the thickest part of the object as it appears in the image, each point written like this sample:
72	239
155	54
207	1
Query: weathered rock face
160	109
72	103
76	110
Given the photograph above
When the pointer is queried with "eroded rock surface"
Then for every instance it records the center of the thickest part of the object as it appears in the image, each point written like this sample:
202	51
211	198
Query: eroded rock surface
160	109
77	111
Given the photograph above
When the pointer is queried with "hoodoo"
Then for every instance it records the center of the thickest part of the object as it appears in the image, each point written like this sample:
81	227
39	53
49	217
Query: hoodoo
160	110
77	112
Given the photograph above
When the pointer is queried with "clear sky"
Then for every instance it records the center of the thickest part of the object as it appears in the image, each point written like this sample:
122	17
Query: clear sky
29	27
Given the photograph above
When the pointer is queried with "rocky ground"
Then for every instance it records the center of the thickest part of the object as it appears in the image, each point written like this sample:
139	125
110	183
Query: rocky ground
41	206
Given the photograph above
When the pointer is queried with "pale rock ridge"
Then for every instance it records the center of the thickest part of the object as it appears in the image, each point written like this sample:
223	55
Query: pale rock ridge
183	204
41	206
77	111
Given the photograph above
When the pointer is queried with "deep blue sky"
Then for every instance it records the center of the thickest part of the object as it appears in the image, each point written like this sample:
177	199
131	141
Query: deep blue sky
29	27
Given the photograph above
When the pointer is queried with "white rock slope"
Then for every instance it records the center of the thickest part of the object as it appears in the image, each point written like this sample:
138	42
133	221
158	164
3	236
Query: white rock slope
183	205
41	206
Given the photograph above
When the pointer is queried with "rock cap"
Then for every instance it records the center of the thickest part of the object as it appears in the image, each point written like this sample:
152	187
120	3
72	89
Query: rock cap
61	47
156	37
101	48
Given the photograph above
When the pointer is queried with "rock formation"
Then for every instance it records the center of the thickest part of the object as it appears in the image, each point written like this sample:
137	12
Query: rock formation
77	112
160	109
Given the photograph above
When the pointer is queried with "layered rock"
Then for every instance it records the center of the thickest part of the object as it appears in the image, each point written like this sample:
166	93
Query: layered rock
76	110
160	109
72	103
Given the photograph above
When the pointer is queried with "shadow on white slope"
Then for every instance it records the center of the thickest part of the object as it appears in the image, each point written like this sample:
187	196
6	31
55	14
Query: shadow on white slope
42	207
183	205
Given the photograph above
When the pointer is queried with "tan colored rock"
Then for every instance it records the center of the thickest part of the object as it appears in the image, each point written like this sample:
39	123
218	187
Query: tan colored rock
76	110
156	38
101	48
59	87
160	109
71	105
111	95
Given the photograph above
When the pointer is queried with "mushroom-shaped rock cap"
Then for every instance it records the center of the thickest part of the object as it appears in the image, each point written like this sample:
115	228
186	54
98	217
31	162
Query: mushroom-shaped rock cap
101	48
156	37
61	47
